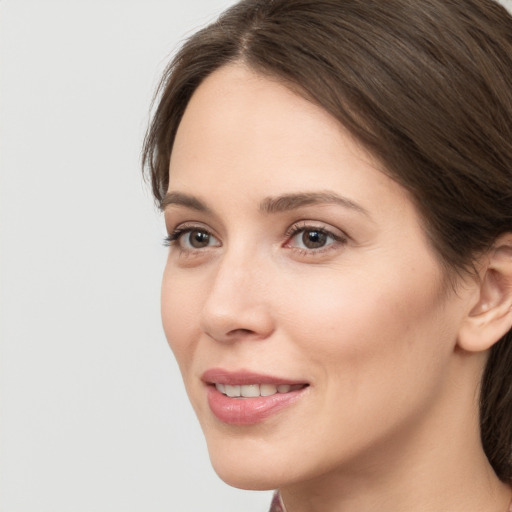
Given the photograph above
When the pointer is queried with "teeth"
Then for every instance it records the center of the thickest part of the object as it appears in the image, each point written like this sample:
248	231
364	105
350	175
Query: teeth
250	391
232	391
254	390
268	389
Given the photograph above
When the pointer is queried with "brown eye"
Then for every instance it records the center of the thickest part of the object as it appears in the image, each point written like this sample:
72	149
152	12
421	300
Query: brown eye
193	239
314	239
198	239
189	239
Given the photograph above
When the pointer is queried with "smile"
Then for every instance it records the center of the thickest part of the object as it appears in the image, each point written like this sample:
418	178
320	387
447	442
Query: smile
255	390
243	398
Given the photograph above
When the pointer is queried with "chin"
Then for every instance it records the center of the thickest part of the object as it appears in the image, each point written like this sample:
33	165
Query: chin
247	477
248	481
247	466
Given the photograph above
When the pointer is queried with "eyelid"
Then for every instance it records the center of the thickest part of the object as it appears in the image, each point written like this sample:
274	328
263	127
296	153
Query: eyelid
175	234
188	225
304	225
339	238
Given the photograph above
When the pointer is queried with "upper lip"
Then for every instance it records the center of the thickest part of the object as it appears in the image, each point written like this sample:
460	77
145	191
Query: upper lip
244	377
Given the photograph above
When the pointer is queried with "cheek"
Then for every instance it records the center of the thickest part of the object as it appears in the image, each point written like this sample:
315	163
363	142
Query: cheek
359	334
179	312
377	356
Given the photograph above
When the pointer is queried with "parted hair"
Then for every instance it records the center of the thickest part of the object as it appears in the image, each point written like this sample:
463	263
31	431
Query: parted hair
424	85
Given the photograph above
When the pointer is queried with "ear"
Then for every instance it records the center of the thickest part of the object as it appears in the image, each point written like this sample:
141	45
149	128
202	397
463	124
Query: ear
491	317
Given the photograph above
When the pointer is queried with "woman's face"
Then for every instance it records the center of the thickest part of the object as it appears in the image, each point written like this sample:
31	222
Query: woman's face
299	275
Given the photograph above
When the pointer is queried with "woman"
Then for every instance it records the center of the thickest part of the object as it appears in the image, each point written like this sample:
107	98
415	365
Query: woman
336	178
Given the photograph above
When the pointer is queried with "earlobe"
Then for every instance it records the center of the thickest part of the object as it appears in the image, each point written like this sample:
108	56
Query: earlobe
490	318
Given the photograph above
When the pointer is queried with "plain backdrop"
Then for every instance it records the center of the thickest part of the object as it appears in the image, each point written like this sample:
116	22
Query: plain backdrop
93	416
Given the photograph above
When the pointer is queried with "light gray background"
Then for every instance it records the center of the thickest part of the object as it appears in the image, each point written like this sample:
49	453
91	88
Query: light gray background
93	413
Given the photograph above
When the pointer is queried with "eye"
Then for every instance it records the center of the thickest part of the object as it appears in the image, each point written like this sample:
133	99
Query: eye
309	238
312	239
196	239
192	238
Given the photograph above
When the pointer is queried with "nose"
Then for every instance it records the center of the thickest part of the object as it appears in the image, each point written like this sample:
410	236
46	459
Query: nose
237	304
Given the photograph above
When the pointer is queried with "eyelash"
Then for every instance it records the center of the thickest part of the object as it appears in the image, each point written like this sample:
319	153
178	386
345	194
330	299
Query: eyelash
304	227
173	238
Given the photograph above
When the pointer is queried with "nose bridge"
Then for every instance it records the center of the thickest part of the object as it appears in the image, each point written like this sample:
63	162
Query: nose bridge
237	301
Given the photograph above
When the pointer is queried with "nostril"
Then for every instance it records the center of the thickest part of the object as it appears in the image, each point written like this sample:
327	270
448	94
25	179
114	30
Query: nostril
242	331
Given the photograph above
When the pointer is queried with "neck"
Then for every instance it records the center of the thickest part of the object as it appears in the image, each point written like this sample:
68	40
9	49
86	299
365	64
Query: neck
436	464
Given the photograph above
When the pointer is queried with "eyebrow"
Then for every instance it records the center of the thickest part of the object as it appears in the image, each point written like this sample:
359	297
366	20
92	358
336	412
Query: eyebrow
186	200
293	201
269	205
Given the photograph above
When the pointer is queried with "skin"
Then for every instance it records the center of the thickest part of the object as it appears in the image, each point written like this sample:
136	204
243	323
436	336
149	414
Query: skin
389	420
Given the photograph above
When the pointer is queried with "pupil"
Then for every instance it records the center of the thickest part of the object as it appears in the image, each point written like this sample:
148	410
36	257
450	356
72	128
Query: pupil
314	239
199	239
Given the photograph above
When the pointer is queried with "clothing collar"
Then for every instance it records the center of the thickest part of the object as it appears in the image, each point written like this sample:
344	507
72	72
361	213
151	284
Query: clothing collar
277	504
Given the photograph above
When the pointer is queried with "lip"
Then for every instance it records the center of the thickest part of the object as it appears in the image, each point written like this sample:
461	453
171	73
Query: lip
243	377
247	411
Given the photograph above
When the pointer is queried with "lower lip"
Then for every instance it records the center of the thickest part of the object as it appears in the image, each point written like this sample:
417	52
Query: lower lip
248	411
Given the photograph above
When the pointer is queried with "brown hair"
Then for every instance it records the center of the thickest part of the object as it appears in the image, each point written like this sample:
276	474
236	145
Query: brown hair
426	86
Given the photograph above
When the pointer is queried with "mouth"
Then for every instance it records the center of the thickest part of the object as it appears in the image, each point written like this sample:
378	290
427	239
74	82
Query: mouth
246	398
255	390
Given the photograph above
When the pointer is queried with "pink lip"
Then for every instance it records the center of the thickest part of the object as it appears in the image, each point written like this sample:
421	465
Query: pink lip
247	411
221	376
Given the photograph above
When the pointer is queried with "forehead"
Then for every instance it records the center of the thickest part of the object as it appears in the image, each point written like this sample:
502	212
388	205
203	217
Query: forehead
238	120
